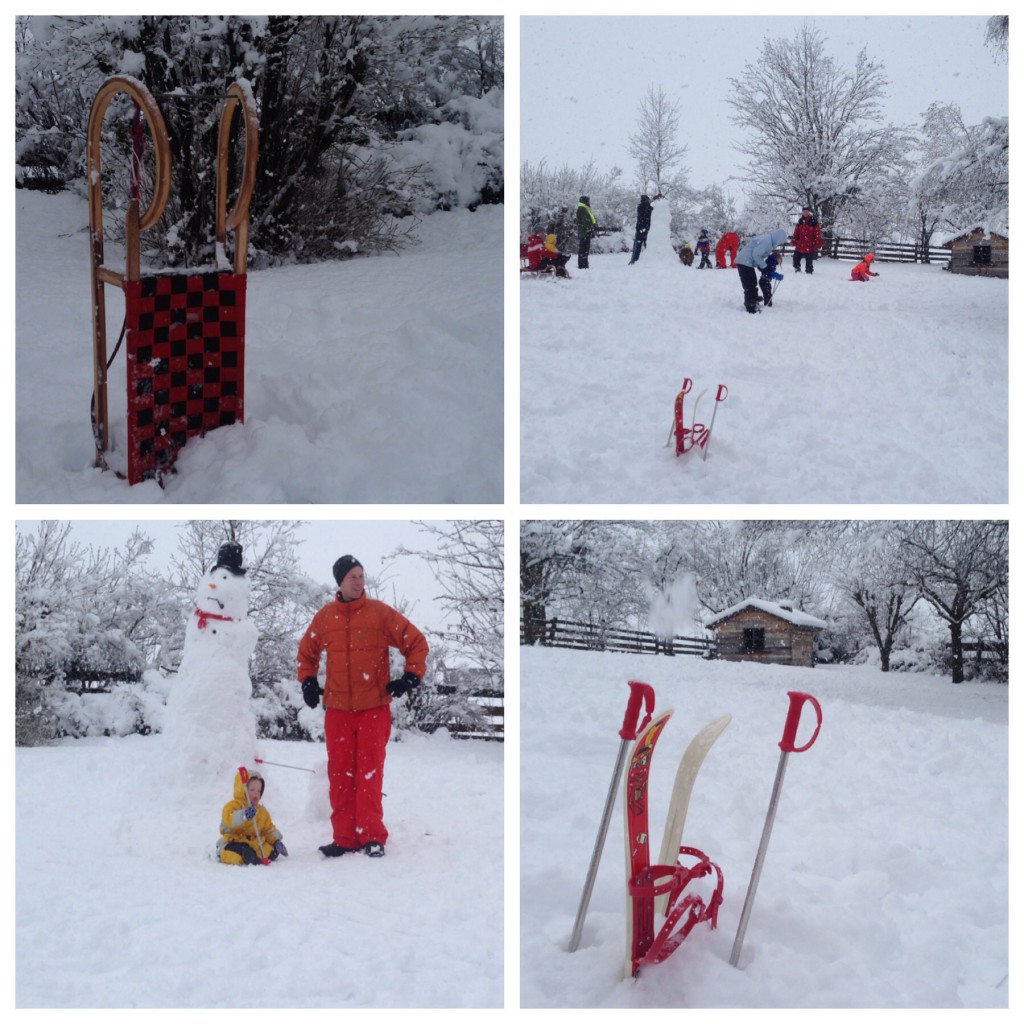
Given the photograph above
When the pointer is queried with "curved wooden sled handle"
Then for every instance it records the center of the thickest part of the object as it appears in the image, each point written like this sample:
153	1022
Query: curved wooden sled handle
133	225
238	219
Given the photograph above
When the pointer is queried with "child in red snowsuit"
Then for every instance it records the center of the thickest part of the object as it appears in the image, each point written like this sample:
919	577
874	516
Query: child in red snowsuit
728	243
862	271
544	256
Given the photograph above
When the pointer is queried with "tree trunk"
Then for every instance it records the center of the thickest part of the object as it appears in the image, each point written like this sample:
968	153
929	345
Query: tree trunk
956	651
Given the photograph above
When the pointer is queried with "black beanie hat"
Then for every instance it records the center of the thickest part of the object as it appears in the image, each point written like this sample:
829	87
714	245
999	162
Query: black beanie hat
230	557
344	565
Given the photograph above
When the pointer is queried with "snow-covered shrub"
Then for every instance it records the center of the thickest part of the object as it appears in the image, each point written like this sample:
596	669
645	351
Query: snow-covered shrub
457	161
281	713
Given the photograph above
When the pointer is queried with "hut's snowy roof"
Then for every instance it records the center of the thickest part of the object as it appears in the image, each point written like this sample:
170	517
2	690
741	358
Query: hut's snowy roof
785	612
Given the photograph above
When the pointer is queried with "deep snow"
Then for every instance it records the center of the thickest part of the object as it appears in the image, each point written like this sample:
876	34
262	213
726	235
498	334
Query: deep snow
367	380
890	391
120	904
886	878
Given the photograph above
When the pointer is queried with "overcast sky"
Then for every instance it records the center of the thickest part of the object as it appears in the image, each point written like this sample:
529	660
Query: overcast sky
323	543
583	79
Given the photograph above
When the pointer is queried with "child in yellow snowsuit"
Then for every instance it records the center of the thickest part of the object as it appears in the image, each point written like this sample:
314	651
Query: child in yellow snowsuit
247	834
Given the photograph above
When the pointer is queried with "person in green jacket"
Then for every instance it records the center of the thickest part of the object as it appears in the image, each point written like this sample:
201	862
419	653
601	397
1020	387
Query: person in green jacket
586	222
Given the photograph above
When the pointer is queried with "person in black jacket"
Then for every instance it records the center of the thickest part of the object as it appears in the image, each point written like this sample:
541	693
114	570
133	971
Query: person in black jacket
643	225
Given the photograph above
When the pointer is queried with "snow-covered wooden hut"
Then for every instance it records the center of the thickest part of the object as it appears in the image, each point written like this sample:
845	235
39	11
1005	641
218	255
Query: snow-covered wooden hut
979	252
756	630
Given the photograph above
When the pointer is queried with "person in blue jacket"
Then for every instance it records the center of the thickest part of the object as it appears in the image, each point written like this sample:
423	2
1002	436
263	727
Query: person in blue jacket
758	255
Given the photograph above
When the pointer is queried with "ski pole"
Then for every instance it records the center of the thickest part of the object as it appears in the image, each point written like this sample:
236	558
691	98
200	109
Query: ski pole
244	774
720	396
277	764
788	746
638	693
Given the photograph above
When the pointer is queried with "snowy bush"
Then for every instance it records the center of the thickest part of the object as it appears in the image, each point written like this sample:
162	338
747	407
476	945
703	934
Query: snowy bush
456	162
279	710
333	94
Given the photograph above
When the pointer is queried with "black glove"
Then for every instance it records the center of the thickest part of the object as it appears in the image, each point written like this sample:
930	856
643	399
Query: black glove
400	687
249	813
279	850
311	691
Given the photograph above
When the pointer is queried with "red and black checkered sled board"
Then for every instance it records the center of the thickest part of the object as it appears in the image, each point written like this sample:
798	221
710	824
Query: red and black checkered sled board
185	338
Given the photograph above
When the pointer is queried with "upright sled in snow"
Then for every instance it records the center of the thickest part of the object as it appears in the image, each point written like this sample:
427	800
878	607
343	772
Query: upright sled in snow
693	434
659	889
184	332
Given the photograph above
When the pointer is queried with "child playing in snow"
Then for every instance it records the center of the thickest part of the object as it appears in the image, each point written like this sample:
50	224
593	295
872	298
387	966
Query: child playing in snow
862	271
686	254
247	834
704	248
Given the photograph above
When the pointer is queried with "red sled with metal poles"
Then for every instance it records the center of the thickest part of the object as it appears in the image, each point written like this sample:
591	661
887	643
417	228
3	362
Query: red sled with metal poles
696	435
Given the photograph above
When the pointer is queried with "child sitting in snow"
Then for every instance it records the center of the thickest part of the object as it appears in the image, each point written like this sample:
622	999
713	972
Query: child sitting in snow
686	254
247	834
862	271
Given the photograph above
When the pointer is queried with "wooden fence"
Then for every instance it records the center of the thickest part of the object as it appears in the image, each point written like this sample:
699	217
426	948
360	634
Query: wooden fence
885	252
585	636
491	703
85	678
986	650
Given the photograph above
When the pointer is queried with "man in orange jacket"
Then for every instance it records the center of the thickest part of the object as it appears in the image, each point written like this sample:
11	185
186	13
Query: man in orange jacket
356	633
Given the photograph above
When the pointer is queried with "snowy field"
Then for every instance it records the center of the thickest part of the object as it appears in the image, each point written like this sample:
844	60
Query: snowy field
371	380
891	391
886	879
120	904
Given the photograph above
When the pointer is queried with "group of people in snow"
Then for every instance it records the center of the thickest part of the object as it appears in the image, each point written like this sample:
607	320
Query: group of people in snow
756	261
355	633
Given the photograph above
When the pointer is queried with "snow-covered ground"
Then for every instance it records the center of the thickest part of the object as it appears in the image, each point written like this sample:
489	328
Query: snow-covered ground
369	380
119	903
886	878
891	391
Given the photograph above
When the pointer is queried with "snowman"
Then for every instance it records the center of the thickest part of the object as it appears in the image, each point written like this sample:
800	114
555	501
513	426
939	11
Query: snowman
659	237
209	724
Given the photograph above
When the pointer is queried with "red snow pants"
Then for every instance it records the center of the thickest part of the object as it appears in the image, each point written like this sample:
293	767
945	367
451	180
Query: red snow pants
356	744
729	244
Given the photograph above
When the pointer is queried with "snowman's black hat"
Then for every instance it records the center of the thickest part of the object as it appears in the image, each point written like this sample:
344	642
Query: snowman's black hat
230	557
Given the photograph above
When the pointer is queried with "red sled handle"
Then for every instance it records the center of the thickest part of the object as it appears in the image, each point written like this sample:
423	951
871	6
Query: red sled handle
796	706
639	693
687	385
722	393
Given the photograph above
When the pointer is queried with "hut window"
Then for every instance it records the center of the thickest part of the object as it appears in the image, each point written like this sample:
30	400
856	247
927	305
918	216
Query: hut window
982	255
753	639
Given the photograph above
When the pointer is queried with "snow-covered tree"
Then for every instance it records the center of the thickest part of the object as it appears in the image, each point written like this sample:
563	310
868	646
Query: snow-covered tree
873	575
548	200
959	566
816	135
654	145
82	616
997	34
967	185
468	562
962	180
